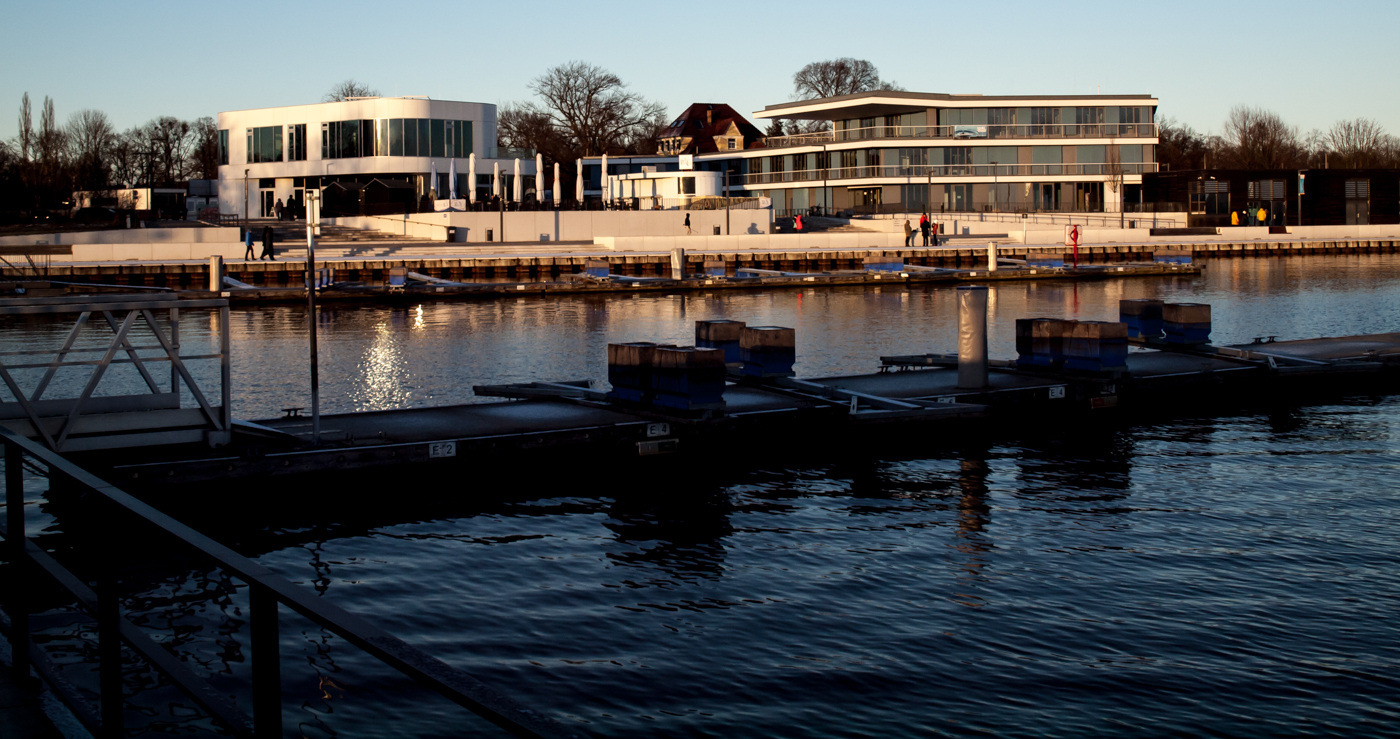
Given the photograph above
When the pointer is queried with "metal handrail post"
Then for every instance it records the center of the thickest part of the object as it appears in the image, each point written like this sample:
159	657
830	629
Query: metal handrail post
267	662
19	560
112	705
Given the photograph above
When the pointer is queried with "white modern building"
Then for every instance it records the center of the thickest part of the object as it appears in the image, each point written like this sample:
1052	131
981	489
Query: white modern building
908	152
366	155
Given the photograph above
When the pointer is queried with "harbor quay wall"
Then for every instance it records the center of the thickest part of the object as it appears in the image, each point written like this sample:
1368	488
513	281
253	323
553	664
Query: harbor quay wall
142	244
543	267
560	225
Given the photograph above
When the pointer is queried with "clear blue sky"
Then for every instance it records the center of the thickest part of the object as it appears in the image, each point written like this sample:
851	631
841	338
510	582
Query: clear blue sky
1312	62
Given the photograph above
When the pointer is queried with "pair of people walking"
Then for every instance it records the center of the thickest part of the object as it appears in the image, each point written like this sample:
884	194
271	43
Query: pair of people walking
266	245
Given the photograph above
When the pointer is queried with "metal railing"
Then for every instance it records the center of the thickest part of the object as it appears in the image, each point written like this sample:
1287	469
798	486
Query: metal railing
267	591
960	132
916	172
117	420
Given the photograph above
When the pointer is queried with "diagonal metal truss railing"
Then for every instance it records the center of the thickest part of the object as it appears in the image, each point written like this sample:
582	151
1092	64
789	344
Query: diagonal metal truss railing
267	591
110	421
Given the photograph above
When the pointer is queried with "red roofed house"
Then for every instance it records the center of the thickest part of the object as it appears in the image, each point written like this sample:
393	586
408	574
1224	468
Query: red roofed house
707	128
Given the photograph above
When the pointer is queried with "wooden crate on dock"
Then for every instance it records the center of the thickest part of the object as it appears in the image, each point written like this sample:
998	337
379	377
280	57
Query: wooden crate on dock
721	334
629	370
1186	323
768	351
1097	346
1047	341
688	378
1142	316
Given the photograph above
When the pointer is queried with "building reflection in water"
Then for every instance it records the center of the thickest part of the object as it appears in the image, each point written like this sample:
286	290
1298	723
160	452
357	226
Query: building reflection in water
679	536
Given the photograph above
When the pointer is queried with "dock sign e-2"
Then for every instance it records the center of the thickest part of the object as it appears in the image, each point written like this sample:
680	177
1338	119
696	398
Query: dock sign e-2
439	449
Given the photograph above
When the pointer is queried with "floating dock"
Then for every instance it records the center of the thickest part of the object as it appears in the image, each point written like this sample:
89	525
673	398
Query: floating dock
550	420
733	390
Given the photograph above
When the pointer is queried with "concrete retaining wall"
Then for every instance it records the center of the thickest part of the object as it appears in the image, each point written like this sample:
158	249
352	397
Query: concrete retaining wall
139	244
549	226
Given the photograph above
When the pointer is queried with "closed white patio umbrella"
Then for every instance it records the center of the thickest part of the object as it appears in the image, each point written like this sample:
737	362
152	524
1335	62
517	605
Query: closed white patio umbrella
432	182
471	178
496	180
603	181
556	184
519	183
578	182
539	178
452	180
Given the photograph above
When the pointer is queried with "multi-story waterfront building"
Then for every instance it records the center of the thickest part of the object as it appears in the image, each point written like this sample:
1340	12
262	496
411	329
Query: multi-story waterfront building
362	149
908	152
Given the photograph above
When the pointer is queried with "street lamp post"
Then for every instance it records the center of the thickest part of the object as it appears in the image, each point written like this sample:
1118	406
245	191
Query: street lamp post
311	316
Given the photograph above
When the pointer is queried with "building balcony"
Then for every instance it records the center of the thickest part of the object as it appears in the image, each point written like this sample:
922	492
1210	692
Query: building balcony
926	171
968	132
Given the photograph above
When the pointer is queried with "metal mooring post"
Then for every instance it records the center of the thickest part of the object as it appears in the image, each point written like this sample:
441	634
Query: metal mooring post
972	336
267	662
19	560
311	319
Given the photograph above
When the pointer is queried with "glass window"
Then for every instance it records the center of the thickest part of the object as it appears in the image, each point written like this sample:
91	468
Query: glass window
410	137
382	128
464	132
395	137
1089	116
424	137
223	146
349	139
439	134
296	143
250	154
1001	116
687	185
325	141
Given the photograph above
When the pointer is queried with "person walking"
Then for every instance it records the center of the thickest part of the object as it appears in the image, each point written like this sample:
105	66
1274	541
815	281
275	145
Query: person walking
248	241
924	227
687	224
797	223
908	233
1234	218
933	231
277	209
267	244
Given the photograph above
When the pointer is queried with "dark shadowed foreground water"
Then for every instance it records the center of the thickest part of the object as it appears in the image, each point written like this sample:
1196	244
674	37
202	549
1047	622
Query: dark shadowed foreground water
1234	575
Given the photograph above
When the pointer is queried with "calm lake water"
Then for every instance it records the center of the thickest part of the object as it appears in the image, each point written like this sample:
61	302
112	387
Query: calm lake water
1183	576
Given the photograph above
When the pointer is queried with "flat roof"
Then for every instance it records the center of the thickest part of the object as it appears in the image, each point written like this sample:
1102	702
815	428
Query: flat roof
355	101
884	102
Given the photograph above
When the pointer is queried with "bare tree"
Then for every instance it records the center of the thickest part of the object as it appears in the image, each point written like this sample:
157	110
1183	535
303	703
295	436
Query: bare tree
204	156
90	137
349	89
1113	176
594	107
1259	139
26	129
1180	147
1357	144
844	76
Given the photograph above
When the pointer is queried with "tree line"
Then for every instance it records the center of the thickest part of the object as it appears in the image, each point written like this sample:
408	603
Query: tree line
48	160
1254	138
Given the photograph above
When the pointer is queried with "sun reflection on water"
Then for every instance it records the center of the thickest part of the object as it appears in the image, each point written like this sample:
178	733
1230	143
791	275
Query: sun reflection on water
385	380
